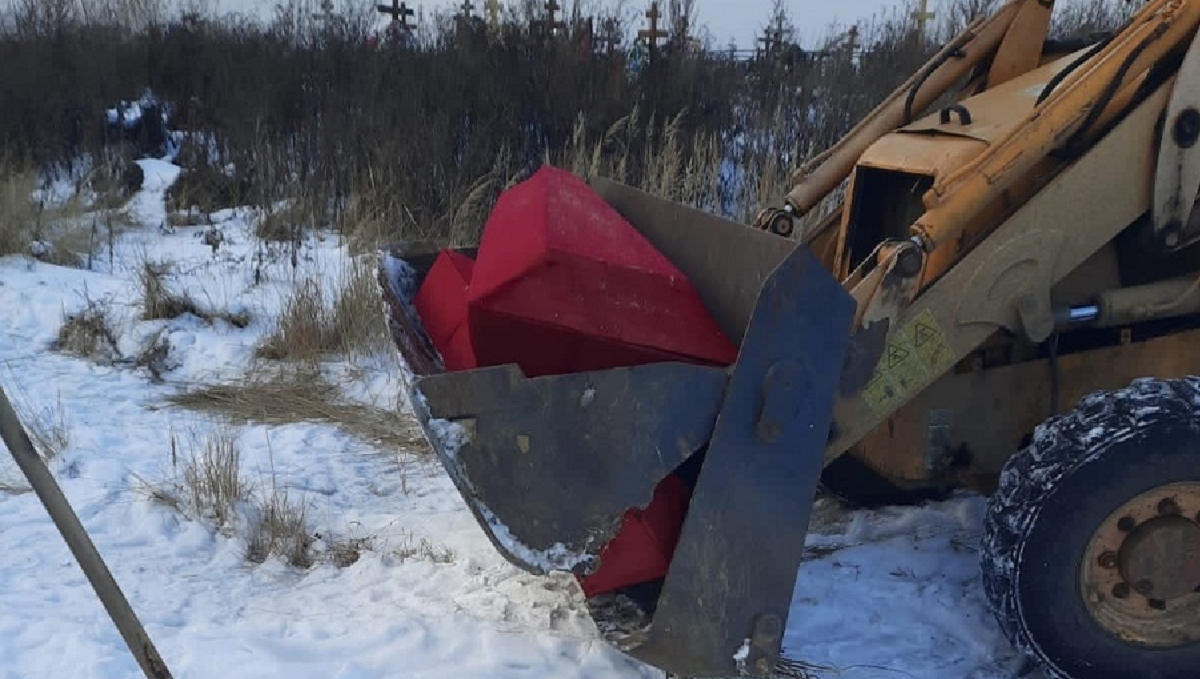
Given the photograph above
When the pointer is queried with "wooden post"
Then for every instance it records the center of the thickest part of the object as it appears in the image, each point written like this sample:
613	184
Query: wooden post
652	34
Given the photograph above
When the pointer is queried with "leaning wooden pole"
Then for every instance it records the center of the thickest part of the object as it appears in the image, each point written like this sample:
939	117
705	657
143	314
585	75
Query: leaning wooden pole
48	491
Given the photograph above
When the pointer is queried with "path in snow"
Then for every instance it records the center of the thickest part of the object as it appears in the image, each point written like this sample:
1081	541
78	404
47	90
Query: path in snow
899	598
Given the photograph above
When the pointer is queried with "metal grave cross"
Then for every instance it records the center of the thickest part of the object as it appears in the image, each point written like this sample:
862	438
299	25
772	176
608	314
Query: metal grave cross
399	11
652	34
922	17
771	39
610	37
550	24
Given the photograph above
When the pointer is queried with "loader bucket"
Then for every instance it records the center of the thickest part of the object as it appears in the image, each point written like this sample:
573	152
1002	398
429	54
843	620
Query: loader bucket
557	468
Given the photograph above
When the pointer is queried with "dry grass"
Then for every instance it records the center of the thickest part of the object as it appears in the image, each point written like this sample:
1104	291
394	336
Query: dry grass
206	189
424	550
89	334
207	484
290	395
283	225
46	424
210	485
677	167
312	327
370	221
161	302
57	234
18	212
345	552
279	527
158	300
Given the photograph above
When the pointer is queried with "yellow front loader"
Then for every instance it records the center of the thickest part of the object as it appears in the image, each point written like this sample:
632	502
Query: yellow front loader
1007	300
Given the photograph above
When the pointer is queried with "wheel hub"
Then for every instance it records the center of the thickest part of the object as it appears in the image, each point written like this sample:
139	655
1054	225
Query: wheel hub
1161	558
1140	577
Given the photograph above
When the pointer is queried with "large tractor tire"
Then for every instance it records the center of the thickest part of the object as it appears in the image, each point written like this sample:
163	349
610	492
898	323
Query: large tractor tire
1091	553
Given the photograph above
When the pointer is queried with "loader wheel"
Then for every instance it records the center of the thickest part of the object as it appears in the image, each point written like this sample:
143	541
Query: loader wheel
1091	549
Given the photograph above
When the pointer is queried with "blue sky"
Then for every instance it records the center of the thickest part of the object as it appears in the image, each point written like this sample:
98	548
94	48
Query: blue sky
737	20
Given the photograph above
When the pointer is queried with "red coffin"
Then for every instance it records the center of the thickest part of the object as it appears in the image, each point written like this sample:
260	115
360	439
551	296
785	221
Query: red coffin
562	283
442	307
642	549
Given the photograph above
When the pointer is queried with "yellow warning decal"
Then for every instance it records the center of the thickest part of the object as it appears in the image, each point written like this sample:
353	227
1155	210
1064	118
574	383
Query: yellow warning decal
914	356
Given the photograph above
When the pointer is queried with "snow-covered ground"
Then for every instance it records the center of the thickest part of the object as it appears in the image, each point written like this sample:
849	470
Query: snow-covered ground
888	594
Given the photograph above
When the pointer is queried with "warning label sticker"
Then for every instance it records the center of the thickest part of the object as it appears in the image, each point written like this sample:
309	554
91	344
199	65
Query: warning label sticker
915	355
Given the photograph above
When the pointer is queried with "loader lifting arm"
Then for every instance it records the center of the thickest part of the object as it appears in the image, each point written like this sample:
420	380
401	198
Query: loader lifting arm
960	227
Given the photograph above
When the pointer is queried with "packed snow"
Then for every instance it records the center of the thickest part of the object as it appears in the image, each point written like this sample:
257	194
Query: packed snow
885	594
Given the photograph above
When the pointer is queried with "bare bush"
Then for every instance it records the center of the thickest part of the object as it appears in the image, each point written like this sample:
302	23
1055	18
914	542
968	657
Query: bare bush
161	302
205	188
423	550
89	333
211	480
344	552
279	527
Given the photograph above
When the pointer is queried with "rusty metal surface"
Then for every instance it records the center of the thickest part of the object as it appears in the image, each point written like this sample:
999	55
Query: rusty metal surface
734	570
549	465
1140	575
977	42
1022	48
1088	99
1094	199
962	429
996	111
398	281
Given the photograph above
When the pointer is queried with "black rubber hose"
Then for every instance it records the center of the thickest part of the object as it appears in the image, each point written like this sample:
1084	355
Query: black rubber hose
1110	90
954	50
1071	68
